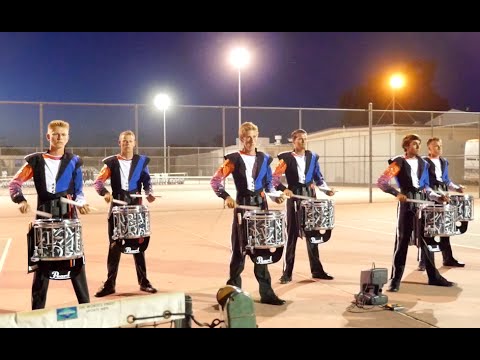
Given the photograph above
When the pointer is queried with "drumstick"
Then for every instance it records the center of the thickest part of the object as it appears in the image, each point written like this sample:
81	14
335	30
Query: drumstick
421	201
275	194
76	203
248	207
138	196
43	213
71	202
303	197
121	202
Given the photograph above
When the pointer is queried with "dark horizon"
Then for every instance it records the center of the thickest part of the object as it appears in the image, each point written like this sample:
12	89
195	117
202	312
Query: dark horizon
294	70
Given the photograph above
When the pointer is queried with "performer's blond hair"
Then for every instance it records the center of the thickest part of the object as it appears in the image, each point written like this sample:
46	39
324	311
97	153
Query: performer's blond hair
58	123
126	132
246	127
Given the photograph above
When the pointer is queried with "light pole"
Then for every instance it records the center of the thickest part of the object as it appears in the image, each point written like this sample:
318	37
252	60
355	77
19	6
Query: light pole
239	57
162	102
397	81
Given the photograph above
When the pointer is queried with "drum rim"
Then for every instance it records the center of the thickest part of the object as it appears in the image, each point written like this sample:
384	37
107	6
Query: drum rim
264	214
116	237
129	209
464	196
318	201
62	222
61	258
439	207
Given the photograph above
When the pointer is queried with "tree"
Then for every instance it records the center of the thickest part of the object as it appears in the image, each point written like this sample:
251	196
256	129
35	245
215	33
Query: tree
418	94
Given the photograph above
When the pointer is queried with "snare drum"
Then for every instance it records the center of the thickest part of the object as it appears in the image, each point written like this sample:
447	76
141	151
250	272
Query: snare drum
318	214
464	204
57	239
438	220
265	229
130	222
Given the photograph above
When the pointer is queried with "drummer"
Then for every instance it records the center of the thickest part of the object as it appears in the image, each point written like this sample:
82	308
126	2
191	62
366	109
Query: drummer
440	181
56	174
302	170
252	176
128	173
411	174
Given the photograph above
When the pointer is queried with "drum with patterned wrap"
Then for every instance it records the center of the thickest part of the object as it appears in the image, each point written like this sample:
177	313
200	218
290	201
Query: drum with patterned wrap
465	205
438	220
57	239
130	222
318	214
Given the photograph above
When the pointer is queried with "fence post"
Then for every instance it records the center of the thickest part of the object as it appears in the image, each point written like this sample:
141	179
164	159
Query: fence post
41	125
370	152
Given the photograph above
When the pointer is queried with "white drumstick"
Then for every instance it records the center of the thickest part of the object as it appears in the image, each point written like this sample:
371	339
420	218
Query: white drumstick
71	202
275	194
421	201
143	196
121	202
303	197
248	207
43	213
76	203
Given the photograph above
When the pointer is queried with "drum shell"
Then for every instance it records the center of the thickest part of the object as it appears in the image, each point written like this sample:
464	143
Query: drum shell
438	220
57	239
265	229
130	222
465	206
318	214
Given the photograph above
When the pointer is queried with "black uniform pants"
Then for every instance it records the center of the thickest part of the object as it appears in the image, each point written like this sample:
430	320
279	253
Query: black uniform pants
294	231
406	214
446	249
237	260
113	261
41	282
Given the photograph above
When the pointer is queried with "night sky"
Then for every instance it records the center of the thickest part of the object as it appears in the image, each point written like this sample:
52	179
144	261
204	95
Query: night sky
287	70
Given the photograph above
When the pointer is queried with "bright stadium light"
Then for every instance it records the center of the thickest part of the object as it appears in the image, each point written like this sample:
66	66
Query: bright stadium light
397	81
162	102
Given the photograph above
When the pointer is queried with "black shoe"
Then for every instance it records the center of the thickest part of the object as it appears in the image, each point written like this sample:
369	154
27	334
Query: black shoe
421	267
394	286
104	291
285	279
324	276
149	288
453	263
273	301
441	282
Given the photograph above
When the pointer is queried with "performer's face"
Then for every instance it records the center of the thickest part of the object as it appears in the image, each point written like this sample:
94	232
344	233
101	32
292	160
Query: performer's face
127	143
249	140
413	148
58	136
300	142
435	148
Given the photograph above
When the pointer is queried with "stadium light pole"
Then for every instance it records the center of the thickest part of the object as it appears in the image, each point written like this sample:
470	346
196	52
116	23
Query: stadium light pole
397	81
162	102
239	58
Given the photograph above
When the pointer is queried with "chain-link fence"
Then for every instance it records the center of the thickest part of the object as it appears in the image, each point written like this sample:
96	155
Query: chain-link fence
353	144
